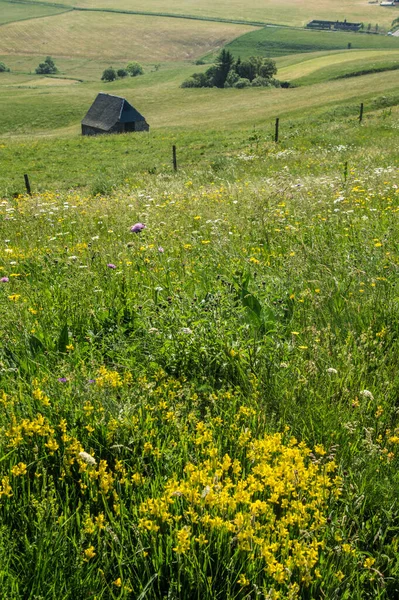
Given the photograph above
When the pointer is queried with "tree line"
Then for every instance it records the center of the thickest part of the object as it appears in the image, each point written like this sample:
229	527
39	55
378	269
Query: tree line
255	71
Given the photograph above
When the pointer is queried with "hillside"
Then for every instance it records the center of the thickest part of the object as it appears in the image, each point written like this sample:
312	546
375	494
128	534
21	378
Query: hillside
288	12
168	391
198	367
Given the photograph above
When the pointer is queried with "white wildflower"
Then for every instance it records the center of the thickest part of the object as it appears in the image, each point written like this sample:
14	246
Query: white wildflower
367	394
333	371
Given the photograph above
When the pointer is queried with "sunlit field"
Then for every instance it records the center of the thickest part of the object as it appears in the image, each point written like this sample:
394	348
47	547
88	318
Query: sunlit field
198	369
198	365
286	12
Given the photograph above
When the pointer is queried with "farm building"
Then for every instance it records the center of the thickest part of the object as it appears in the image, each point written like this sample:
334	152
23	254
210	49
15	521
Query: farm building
334	25
112	114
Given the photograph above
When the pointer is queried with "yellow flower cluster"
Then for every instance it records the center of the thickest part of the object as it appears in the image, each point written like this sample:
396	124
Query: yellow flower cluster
112	379
272	505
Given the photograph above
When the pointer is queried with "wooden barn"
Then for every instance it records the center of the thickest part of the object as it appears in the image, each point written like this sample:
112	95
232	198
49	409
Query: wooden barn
112	114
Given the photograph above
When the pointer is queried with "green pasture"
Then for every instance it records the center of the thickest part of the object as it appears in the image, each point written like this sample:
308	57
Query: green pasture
35	105
12	11
314	68
63	159
287	12
281	41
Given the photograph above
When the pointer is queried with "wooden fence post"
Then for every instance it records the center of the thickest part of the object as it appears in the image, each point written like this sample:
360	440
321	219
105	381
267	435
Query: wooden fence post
361	112
27	185
174	158
276	130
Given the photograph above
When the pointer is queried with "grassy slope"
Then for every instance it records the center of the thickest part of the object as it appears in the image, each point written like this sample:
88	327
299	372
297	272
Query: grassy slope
159	97
273	42
288	12
106	161
146	39
10	12
308	69
181	351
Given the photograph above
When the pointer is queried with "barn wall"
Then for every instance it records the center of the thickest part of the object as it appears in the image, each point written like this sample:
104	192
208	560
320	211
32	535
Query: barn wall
117	128
142	126
86	130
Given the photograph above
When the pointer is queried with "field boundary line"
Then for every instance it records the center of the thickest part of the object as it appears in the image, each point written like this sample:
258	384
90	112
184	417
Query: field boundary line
62	12
68	7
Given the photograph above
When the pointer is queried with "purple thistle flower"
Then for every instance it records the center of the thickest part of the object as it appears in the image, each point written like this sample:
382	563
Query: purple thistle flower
91	381
4	280
111	266
62	379
137	227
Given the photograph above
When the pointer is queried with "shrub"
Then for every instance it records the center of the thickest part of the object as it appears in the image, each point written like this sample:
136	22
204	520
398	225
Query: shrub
122	73
134	69
3	68
242	83
198	80
261	82
109	74
232	78
47	67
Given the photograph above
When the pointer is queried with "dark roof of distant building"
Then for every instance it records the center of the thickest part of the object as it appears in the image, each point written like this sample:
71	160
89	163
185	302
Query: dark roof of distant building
107	110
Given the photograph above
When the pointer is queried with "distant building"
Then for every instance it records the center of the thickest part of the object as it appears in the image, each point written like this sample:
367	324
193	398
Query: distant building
334	25
112	114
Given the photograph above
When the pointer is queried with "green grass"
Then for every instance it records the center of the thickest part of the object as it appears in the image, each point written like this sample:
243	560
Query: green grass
308	69
259	305
11	12
55	110
207	409
274	42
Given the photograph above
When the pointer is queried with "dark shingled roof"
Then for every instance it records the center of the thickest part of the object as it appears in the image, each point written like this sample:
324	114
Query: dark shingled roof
107	110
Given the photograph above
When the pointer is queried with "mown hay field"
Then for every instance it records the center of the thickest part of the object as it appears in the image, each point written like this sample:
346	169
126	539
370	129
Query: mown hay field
116	37
11	11
313	68
286	12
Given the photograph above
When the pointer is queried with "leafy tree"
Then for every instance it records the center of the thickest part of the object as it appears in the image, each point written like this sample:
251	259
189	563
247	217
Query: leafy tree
134	69
109	74
3	68
267	69
47	67
224	63
247	70
122	73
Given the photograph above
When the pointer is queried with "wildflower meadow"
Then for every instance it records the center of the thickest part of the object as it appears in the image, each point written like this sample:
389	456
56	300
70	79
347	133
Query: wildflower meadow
199	383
